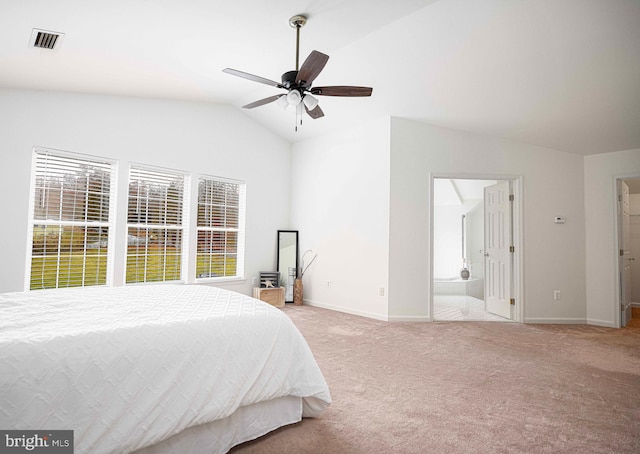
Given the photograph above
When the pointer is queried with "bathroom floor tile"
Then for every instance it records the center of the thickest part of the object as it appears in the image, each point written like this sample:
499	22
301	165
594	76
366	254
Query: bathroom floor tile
462	308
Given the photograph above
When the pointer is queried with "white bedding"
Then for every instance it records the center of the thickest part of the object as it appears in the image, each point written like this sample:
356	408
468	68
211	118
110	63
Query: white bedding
127	367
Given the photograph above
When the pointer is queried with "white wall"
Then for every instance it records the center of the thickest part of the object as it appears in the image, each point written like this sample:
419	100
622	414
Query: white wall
553	183
601	172
343	183
340	204
360	197
207	138
475	240
447	238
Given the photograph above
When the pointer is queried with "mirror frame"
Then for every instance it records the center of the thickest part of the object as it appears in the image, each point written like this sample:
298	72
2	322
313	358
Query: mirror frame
284	273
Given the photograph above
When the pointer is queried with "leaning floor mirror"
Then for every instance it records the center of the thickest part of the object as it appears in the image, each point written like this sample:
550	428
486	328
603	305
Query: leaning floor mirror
288	261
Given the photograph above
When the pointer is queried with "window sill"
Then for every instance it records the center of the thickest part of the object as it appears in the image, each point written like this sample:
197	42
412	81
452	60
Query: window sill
220	280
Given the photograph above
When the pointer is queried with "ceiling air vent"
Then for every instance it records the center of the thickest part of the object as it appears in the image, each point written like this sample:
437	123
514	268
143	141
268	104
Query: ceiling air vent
43	39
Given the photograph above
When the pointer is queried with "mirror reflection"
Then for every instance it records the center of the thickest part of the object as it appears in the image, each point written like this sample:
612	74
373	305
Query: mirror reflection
287	261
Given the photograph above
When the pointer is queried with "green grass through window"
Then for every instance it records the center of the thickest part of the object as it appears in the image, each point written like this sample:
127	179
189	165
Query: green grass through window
68	270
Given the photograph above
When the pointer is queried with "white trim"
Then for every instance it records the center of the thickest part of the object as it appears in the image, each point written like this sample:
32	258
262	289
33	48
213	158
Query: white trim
381	317
241	231
109	224
113	209
212	281
557	321
182	227
185	251
411	318
518	240
616	250
29	248
605	323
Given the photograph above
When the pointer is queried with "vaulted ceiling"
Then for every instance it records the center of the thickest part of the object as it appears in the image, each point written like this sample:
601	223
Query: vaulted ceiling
563	74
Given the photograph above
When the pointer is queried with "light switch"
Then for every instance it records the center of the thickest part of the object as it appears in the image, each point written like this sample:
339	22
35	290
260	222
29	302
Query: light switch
559	220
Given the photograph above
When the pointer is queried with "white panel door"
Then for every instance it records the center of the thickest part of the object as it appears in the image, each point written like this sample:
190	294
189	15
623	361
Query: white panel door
624	264
498	257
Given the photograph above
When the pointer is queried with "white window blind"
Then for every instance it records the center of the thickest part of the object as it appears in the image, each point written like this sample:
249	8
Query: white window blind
70	220
221	217
155	227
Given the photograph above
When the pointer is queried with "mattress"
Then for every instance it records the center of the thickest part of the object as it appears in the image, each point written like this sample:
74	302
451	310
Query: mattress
129	367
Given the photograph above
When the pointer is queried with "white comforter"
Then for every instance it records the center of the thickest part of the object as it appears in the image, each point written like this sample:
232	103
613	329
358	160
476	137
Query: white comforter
127	367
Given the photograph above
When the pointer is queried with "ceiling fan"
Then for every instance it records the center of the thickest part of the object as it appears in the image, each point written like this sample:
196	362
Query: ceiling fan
298	82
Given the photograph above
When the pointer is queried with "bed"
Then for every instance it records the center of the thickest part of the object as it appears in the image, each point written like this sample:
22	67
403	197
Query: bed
153	368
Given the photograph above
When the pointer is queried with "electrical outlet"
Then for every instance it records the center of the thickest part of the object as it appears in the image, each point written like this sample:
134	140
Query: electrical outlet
381	291
328	283
556	295
254	281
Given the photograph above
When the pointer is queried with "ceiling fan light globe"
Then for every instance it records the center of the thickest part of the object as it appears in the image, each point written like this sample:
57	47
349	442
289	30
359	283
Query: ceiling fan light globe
310	101
294	97
282	102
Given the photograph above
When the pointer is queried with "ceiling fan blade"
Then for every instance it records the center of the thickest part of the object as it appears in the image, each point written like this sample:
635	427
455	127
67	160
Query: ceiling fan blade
261	102
342	90
262	80
311	67
315	113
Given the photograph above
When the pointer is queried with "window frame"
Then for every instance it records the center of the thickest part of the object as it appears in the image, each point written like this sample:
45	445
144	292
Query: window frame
240	230
183	229
117	224
109	224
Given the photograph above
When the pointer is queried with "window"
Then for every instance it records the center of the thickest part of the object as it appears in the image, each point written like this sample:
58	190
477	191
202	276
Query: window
220	227
155	227
73	224
70	220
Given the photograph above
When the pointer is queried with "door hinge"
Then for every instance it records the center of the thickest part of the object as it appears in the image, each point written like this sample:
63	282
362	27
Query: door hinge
511	197
512	301
512	249
621	252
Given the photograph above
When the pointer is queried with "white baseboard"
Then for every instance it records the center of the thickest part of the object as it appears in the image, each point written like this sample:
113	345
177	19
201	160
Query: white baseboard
605	323
410	318
347	310
557	321
424	318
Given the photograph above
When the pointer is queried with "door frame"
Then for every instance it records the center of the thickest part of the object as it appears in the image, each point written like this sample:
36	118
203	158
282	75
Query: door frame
517	278
616	252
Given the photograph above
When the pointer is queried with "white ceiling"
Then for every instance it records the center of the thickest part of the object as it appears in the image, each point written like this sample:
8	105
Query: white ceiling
563	74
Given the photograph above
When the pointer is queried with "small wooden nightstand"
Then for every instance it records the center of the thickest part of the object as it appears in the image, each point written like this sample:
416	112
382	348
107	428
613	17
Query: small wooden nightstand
273	296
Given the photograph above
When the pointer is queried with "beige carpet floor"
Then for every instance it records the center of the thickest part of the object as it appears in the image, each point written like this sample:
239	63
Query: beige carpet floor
466	387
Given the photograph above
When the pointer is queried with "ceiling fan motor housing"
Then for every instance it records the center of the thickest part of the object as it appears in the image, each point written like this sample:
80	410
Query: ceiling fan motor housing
289	79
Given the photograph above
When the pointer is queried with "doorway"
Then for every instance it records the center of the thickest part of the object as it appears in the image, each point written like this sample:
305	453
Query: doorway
474	221
628	250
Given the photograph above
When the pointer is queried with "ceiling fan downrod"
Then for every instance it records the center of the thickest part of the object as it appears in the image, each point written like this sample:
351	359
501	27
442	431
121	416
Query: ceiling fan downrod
298	22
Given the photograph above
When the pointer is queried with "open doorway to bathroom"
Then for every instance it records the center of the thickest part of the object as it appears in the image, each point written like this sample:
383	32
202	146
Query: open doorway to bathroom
465	275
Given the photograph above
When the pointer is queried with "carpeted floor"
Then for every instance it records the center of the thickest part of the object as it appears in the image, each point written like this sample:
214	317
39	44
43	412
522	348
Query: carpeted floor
466	387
